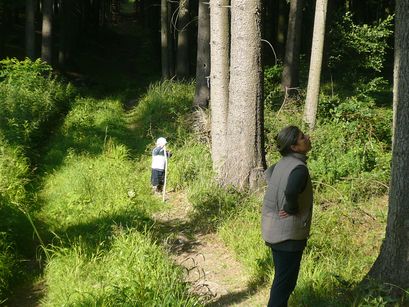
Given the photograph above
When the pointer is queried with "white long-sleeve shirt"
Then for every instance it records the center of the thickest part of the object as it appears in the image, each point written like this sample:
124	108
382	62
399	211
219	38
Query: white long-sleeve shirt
158	158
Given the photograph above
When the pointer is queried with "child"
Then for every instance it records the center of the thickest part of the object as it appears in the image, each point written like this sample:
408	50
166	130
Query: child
158	165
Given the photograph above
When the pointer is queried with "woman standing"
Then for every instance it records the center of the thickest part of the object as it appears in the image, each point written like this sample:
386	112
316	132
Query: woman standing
287	211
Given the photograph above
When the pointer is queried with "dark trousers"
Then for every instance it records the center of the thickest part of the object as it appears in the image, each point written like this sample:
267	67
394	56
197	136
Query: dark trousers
157	178
287	266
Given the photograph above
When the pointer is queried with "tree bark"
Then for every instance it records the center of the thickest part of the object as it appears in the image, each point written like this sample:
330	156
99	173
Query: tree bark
245	161
46	44
63	52
290	77
314	76
171	42
219	80
203	57
165	39
182	62
30	29
281	27
2	30
393	260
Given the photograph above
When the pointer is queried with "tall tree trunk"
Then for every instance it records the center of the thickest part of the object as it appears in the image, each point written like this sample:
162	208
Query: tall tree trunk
182	62
219	80
66	23
268	33
290	78
245	162
30	28
115	10
171	41
2	28
314	76
393	260
3	16
46	44
165	39
203	57
281	27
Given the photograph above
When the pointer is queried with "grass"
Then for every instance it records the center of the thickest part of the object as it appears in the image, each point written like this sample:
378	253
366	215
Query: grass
96	202
93	208
133	272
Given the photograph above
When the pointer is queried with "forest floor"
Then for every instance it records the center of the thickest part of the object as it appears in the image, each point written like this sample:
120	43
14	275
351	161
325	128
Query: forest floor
210	267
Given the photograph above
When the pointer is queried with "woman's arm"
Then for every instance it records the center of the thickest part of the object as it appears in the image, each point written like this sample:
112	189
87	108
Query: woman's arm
296	184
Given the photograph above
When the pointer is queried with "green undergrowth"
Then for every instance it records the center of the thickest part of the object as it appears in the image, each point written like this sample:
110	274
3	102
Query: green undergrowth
93	205
13	179
96	203
350	169
134	271
31	100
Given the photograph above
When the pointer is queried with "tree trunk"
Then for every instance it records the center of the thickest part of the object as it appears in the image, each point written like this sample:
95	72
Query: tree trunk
393	260
290	78
165	39
182	62
30	29
219	80
67	22
115	11
245	160
281	27
268	30
3	16
46	44
314	76
171	42
203	57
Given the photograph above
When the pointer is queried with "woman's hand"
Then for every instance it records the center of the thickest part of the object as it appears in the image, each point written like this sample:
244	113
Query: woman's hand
282	214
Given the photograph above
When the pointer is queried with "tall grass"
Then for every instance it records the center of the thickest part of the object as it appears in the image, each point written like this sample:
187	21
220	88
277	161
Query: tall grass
30	98
97	204
133	272
162	112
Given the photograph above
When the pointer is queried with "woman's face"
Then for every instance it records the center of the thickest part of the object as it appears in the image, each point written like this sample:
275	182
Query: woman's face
303	144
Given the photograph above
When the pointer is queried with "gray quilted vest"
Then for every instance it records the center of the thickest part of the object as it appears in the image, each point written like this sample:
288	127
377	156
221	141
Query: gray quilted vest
294	227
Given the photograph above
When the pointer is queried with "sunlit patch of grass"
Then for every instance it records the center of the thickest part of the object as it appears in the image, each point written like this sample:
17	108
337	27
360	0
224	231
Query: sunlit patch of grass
161	112
134	272
87	128
88	188
241	232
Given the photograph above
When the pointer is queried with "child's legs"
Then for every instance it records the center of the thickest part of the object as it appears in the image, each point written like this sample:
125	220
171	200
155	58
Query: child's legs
157	178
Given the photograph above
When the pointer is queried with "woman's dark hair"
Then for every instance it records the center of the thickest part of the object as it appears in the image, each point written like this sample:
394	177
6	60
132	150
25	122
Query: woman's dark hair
285	138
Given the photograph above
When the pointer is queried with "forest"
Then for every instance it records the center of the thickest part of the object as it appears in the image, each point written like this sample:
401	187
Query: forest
88	86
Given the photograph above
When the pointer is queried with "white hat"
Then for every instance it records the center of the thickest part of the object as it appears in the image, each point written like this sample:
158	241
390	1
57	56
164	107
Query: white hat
161	141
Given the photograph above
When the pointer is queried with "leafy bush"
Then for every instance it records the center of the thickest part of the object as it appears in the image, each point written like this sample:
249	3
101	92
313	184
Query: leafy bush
360	48
13	178
8	266
13	174
30	97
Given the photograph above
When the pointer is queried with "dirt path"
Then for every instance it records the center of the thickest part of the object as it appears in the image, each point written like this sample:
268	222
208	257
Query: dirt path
211	268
